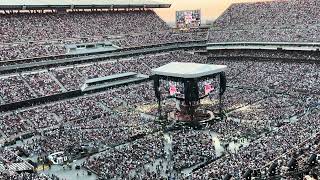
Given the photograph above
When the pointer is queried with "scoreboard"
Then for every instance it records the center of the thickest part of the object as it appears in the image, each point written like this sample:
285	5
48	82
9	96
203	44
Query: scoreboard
188	19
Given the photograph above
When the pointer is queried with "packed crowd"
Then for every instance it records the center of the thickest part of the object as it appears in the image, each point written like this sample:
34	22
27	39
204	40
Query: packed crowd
54	26
11	162
30	50
43	84
272	109
261	151
98	133
52	114
269	103
25	86
7	157
235	98
190	148
272	75
11	124
14	89
267	22
158	38
305	34
92	121
107	119
31	35
25	176
185	150
235	131
121	162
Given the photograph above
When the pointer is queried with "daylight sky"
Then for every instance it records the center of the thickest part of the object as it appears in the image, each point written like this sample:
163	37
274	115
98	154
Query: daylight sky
210	9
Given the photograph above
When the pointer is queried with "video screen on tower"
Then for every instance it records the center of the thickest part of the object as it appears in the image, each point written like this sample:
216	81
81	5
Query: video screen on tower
188	19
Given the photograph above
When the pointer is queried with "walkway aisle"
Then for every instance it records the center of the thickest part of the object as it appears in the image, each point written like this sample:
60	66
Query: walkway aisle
57	81
28	86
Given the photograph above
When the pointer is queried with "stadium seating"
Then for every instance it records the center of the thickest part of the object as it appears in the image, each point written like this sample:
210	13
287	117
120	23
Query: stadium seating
53	32
54	81
268	22
271	103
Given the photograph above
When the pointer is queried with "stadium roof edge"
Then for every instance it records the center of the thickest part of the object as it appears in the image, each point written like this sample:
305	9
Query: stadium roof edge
80	4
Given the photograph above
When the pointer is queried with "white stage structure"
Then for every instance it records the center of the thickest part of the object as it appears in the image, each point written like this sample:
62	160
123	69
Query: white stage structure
189	74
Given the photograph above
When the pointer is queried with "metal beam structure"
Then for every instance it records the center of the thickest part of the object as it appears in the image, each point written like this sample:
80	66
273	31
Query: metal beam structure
80	4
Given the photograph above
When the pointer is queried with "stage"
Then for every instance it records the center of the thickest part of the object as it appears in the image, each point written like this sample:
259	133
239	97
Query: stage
187	84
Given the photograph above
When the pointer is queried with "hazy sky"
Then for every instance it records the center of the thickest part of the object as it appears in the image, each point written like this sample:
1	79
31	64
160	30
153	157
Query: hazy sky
210	9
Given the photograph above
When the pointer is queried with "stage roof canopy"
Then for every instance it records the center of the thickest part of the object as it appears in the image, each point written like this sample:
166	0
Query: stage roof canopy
73	4
188	70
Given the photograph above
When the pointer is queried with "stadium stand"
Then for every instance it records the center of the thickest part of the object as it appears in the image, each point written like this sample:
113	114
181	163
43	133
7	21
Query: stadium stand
271	103
54	31
57	80
268	22
20	27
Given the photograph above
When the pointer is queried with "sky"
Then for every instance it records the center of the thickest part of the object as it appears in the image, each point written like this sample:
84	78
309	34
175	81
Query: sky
210	9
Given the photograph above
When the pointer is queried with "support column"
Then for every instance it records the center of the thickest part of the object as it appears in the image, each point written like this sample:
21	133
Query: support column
156	86
222	89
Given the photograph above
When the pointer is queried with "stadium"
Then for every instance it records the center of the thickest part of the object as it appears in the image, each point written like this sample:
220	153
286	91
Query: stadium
96	90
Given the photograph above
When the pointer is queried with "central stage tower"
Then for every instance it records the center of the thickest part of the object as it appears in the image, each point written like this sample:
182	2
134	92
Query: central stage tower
189	74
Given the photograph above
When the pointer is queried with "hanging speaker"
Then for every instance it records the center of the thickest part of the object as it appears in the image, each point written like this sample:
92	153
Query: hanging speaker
223	83
156	86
